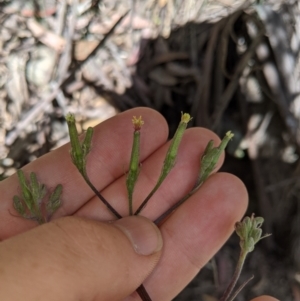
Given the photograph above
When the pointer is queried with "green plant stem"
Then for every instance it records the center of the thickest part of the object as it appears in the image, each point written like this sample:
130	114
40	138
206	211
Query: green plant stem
235	276
99	195
170	158
133	169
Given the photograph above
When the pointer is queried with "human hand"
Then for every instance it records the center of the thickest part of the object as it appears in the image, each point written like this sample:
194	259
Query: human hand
81	258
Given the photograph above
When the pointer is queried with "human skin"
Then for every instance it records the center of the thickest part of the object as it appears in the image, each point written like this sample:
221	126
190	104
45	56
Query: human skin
88	256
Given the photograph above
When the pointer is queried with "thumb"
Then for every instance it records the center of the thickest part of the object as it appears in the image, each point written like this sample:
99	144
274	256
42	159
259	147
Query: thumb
265	298
78	259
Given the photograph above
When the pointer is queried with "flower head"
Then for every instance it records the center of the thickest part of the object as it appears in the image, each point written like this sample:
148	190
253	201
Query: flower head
137	123
249	231
185	117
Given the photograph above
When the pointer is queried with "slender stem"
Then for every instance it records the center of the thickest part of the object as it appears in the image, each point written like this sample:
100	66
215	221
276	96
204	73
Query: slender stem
130	207
240	288
170	210
235	276
143	293
144	203
141	289
98	194
176	205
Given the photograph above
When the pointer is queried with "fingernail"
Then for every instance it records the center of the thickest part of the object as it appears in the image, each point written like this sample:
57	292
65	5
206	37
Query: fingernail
142	233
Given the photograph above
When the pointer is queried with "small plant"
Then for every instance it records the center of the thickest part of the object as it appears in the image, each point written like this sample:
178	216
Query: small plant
250	233
31	204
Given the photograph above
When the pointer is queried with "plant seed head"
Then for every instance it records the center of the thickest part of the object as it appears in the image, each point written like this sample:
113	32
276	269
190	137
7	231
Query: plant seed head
185	117
229	134
137	123
249	232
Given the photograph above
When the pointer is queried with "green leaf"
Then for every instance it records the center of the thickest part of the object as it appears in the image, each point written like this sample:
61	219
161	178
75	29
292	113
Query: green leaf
38	190
26	192
86	145
54	201
19	205
76	149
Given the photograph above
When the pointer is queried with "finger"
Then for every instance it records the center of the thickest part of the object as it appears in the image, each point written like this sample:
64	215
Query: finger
194	233
79	259
265	298
108	160
177	184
